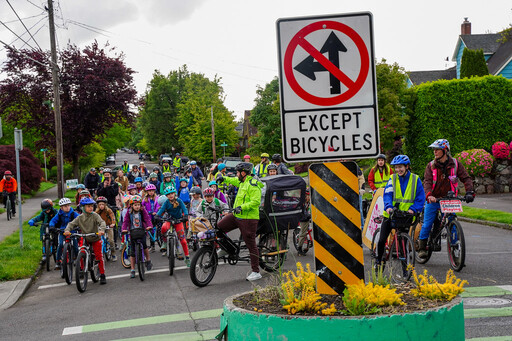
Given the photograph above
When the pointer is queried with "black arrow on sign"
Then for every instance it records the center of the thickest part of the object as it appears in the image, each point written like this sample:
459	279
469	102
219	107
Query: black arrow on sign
309	66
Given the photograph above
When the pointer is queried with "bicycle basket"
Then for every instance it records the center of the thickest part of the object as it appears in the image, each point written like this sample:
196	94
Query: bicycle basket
137	234
201	225
402	220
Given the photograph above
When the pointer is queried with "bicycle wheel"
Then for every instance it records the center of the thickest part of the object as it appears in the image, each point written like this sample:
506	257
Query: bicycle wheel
158	236
47	252
456	245
140	261
8	208
95	269
203	266
401	258
171	254
107	251
272	251
373	248
67	263
295	238
416	247
81	274
125	256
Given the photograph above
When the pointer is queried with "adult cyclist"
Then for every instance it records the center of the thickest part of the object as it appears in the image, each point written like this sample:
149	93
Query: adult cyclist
441	176
246	213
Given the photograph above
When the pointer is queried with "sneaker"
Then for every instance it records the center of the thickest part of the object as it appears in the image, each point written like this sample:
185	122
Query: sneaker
116	247
254	276
57	266
103	280
163	250
43	259
132	274
221	253
114	258
187	261
149	265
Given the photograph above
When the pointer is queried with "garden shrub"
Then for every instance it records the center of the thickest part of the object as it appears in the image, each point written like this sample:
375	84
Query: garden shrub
500	150
470	113
477	162
30	168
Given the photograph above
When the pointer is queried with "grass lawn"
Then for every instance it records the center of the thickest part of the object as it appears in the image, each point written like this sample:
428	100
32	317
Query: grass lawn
44	186
485	214
17	263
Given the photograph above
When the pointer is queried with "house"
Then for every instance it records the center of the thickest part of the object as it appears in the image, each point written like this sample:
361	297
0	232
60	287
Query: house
248	130
497	53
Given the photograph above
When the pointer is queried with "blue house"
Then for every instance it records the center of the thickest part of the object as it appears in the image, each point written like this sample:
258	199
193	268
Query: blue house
498	56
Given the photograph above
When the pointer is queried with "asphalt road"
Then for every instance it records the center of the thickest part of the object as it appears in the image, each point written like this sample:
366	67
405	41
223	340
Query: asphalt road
174	308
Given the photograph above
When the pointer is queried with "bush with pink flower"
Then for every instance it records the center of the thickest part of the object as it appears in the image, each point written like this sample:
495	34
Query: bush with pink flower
501	150
477	162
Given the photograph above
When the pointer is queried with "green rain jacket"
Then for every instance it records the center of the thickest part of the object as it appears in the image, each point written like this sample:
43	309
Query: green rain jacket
248	196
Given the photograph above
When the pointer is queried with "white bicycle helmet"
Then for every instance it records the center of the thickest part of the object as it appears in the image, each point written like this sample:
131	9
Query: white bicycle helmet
64	201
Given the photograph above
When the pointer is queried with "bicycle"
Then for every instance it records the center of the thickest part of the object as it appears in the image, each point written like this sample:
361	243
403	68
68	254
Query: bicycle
308	241
205	261
85	262
446	226
116	231
125	251
399	253
105	248
140	258
50	243
8	206
68	257
174	249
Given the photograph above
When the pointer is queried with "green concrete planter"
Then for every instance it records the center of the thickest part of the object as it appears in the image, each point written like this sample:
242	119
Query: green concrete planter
443	323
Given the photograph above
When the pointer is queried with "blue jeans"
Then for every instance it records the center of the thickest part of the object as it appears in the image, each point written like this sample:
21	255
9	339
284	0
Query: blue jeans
61	246
429	215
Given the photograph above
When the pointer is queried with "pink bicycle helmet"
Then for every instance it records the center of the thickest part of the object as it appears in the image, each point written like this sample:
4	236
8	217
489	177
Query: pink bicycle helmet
150	187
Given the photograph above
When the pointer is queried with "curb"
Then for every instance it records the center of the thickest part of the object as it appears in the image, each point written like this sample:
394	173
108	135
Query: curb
20	289
486	222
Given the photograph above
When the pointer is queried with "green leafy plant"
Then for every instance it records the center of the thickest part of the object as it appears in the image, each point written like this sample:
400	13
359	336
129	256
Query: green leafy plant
355	307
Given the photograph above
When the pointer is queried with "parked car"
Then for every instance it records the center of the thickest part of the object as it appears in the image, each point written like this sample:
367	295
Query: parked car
163	156
111	160
168	159
230	166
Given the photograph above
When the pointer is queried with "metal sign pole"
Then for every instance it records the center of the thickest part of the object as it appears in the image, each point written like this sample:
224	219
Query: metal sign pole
18	141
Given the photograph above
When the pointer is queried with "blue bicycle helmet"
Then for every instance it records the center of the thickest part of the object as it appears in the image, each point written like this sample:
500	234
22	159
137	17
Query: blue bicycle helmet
80	186
401	160
137	179
87	201
213	182
193	163
169	190
184	179
221	166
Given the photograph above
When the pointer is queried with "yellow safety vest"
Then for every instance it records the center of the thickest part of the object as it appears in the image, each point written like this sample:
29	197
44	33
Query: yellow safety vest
263	173
379	181
125	168
407	199
176	162
166	169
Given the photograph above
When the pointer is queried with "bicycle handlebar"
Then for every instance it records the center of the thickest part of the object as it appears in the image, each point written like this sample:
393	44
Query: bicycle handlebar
458	197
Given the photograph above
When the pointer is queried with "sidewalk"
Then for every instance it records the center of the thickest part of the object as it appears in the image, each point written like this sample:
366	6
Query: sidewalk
29	208
499	202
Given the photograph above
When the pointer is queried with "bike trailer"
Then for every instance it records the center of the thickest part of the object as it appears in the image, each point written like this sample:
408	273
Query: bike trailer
283	201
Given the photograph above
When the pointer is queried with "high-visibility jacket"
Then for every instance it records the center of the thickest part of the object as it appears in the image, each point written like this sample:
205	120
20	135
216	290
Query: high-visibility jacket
166	169
405	200
381	181
176	162
125	168
10	186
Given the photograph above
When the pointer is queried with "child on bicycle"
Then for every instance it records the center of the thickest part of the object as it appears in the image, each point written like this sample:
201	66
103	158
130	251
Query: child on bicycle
184	185
218	193
153	180
168	182
46	215
193	211
403	191
176	209
60	221
150	203
90	222
110	220
83	194
138	186
79	188
137	222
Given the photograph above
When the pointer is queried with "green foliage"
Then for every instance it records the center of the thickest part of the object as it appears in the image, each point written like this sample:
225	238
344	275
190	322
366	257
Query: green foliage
395	102
68	171
115	138
266	118
94	155
473	63
193	121
485	214
470	113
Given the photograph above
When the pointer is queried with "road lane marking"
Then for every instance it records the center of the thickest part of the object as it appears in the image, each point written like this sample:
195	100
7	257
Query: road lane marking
487	312
492	338
188	336
89	328
498	290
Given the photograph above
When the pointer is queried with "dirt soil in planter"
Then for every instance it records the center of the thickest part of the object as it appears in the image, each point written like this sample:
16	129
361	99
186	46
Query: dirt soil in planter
266	300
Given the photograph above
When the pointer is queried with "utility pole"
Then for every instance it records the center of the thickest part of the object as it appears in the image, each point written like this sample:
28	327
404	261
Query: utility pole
213	139
56	101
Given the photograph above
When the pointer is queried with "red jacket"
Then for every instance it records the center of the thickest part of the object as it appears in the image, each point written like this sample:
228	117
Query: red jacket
10	186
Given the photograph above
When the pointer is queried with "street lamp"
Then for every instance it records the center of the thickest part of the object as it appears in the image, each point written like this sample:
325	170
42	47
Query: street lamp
44	150
224	145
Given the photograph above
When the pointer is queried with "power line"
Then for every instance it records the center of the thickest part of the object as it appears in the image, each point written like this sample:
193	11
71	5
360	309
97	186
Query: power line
41	8
32	16
23	53
21	21
31	27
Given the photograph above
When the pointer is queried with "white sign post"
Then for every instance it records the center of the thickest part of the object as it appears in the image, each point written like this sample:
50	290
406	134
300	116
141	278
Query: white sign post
18	145
328	89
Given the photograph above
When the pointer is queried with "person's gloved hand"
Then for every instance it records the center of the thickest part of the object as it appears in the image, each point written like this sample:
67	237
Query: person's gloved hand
31	222
238	210
470	197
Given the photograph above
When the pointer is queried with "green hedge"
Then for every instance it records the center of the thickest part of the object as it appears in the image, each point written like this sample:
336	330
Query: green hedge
470	113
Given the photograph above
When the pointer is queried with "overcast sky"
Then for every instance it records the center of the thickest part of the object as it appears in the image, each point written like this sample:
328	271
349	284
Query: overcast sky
236	39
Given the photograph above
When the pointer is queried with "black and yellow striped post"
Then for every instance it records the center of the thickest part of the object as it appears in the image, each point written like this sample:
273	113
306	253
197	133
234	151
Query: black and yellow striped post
336	226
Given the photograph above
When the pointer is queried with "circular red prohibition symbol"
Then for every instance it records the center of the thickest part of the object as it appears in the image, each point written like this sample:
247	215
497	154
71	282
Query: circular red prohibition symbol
300	40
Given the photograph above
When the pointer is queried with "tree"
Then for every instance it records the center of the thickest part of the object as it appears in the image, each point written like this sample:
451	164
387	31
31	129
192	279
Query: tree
30	168
394	102
473	63
115	138
159	112
97	91
193	122
266	118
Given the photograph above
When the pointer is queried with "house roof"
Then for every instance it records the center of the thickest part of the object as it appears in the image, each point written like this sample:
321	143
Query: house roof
418	77
487	42
501	58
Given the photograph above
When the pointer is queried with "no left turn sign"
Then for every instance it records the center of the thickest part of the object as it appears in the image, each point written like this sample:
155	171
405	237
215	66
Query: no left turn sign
328	87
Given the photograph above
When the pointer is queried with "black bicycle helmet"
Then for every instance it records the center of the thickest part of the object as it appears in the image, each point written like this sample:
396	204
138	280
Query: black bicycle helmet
195	190
46	204
244	166
272	166
276	157
156	168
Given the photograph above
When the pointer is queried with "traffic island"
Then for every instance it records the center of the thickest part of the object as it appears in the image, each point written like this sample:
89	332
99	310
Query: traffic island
445	322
